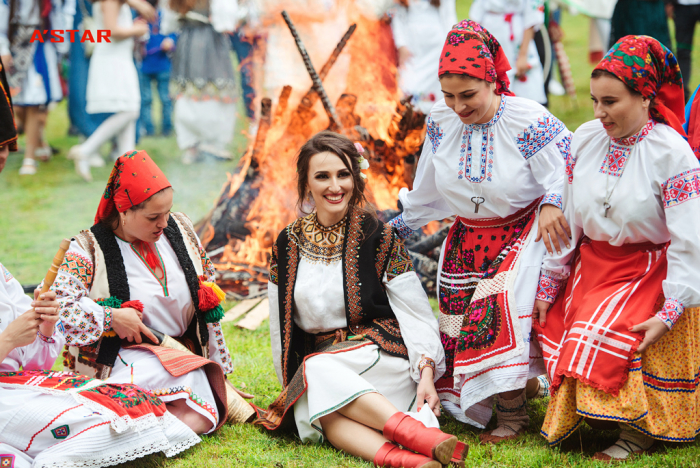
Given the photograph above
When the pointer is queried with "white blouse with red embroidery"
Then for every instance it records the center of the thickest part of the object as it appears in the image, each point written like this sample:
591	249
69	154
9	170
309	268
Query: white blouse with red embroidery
653	183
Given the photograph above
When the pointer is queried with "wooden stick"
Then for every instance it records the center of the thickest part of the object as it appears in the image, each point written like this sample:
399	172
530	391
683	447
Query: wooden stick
55	265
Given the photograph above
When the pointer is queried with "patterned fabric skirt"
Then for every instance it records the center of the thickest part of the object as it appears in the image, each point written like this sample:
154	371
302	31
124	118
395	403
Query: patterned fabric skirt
61	419
330	380
487	283
660	397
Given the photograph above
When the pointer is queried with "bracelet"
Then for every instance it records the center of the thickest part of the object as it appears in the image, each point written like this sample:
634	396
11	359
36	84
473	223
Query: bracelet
45	339
108	318
425	362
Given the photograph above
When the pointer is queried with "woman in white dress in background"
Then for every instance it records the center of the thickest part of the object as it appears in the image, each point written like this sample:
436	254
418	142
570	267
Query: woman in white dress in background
354	339
497	162
418	27
113	84
514	23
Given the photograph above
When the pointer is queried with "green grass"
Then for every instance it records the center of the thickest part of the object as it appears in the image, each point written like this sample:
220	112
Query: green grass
36	212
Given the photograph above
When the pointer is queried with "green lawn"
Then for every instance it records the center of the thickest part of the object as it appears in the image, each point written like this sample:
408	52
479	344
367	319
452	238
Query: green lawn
36	212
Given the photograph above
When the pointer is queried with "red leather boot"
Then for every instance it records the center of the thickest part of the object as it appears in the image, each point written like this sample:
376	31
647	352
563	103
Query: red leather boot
412	434
391	456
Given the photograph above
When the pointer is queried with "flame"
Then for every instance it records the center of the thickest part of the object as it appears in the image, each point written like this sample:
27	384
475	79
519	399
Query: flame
370	77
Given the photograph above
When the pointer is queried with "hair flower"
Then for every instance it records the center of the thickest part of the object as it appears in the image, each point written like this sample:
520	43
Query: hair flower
364	164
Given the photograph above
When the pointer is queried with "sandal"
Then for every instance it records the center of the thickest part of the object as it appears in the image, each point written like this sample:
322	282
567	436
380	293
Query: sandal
28	167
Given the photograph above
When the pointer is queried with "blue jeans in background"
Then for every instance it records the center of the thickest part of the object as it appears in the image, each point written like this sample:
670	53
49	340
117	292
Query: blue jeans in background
162	79
244	52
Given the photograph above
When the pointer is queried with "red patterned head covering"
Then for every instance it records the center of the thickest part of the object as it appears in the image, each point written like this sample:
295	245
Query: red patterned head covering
134	179
471	50
649	68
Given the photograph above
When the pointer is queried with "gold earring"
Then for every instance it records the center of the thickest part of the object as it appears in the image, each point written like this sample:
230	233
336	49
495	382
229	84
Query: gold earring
310	196
123	221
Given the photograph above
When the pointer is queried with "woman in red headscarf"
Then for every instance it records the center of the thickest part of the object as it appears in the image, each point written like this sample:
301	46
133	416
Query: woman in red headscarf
621	341
137	274
497	162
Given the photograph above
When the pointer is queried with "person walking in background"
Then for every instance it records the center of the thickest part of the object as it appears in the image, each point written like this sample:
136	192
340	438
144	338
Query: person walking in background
685	14
155	66
642	18
33	67
202	80
8	130
419	27
514	23
244	41
113	84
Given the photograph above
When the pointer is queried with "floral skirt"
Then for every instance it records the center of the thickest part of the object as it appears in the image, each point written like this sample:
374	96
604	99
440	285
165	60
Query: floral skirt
660	397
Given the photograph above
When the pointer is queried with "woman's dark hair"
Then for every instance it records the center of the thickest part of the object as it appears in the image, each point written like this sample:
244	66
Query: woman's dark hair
182	6
435	3
112	219
342	147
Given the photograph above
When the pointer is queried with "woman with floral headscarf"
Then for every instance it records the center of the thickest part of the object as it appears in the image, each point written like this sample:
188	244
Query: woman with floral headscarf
497	162
621	341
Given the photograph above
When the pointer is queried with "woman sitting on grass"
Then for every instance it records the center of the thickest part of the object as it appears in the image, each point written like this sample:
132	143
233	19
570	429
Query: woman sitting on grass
621	343
141	268
354	339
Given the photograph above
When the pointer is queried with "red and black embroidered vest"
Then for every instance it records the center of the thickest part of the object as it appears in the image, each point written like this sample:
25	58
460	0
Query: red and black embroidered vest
366	249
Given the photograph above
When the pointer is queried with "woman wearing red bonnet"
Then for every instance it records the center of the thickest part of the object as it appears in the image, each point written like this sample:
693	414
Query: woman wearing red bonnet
138	274
496	161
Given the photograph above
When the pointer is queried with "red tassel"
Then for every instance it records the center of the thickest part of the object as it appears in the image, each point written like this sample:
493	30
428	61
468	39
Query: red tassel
207	298
138	305
149	253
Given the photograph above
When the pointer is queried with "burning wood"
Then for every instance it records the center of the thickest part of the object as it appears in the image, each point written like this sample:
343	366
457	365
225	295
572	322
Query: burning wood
259	199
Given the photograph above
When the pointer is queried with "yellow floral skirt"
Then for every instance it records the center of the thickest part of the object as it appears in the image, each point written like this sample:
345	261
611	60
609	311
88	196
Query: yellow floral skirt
661	397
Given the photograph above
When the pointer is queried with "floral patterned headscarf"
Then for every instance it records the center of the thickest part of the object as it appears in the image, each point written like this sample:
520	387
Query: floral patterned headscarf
649	68
471	50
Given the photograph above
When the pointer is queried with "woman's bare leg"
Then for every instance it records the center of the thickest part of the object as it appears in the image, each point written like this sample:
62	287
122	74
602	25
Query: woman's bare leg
351	436
195	421
371	409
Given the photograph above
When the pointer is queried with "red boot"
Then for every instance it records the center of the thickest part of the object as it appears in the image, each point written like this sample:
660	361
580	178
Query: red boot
412	434
391	456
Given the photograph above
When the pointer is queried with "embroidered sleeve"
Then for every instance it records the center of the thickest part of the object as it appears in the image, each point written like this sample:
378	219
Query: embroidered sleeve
671	312
681	188
539	135
549	285
399	260
218	351
434	134
552	199
564	146
273	265
83	320
401	226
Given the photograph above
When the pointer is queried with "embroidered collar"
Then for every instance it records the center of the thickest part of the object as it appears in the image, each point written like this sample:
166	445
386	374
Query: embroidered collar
320	243
493	120
632	140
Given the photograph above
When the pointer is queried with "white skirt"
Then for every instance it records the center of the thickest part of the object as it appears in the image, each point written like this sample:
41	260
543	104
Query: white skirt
57	430
335	380
203	122
113	83
150	375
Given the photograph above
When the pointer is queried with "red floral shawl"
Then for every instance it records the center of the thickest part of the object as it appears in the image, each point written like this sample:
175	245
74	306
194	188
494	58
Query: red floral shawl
471	50
648	67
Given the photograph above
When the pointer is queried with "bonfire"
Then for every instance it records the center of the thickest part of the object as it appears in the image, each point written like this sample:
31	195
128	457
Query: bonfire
259	198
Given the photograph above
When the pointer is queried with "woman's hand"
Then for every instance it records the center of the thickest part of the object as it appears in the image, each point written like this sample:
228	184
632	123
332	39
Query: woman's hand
551	227
654	329
539	312
426	391
521	66
128	325
20	332
46	306
140	27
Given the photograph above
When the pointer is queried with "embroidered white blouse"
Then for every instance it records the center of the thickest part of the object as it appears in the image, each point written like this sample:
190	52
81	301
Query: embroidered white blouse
168	307
319	301
509	162
42	353
653	180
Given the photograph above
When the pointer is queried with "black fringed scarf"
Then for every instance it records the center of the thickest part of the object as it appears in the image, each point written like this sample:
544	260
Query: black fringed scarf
119	287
